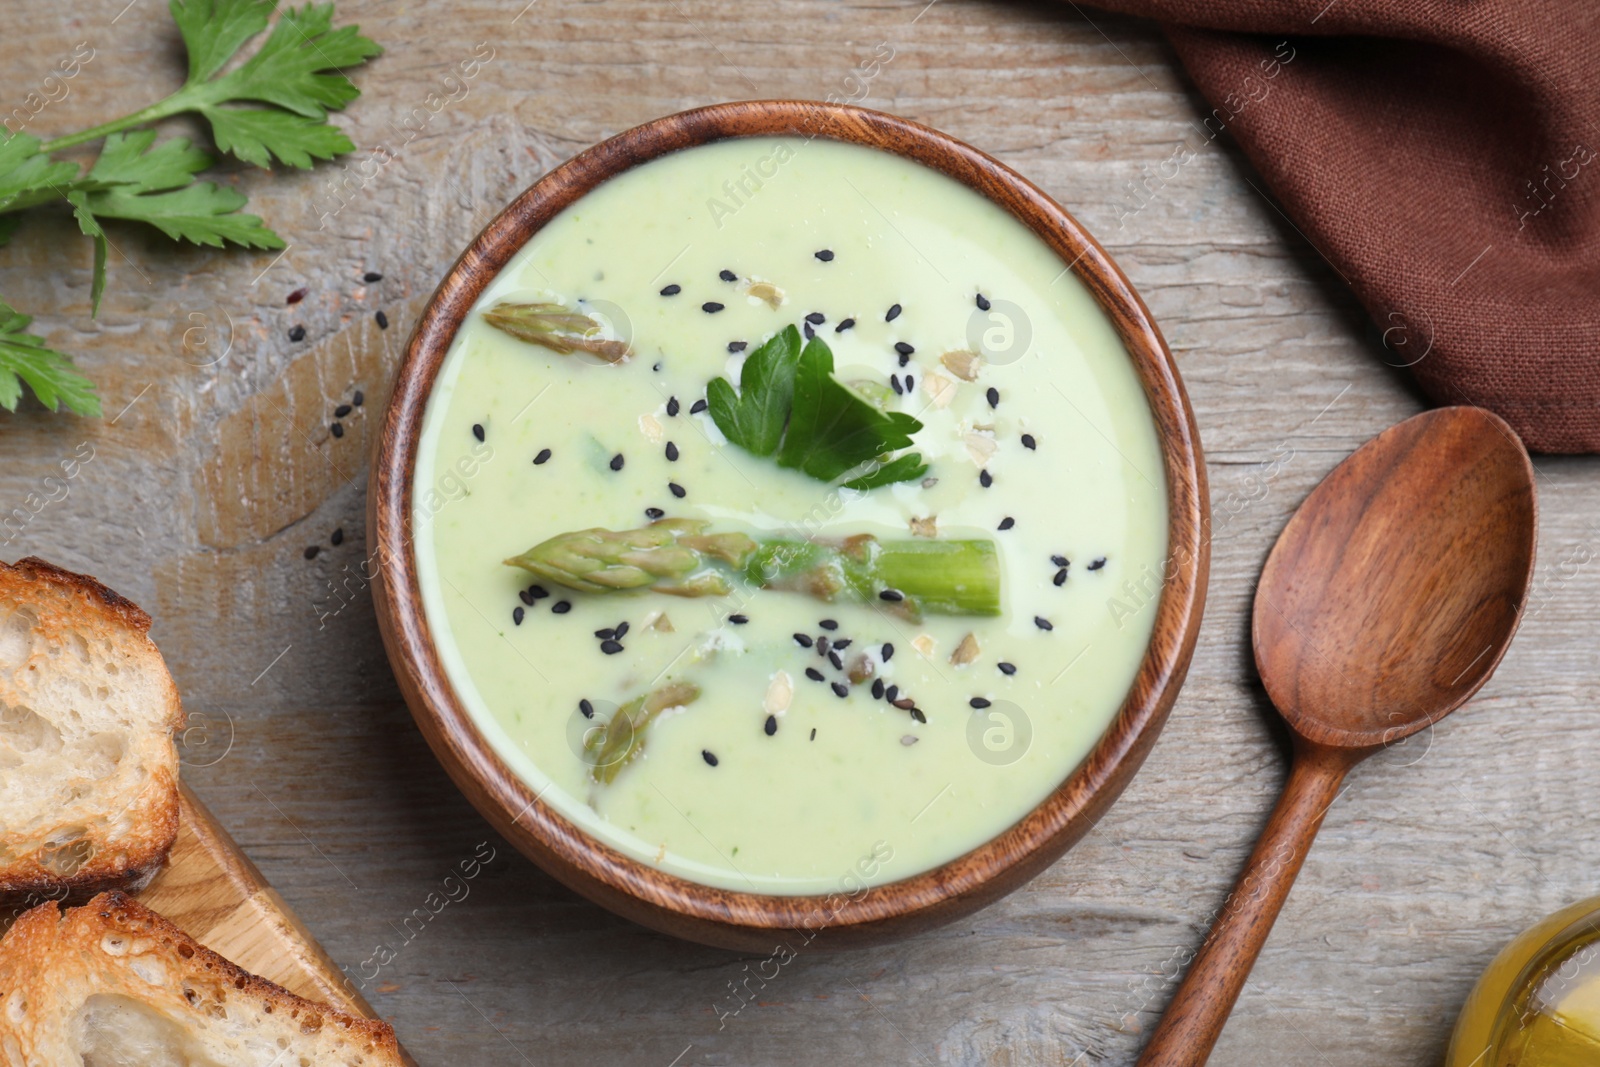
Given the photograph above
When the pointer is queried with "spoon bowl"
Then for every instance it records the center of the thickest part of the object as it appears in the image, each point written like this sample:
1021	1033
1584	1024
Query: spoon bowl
1388	600
1395	589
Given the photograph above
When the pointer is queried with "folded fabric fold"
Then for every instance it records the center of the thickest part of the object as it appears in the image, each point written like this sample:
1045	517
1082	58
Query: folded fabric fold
1444	157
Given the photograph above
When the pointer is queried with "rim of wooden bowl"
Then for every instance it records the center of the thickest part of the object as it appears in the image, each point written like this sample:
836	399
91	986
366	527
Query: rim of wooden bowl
733	918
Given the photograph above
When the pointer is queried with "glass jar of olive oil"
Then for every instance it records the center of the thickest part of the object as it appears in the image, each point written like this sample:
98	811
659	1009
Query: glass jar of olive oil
1538	1004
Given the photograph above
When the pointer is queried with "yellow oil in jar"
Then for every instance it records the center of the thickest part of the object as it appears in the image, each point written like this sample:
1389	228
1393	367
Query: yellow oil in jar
1538	1003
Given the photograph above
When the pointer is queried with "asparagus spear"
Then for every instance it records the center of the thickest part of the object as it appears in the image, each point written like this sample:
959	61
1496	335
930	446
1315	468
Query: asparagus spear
555	327
679	557
622	740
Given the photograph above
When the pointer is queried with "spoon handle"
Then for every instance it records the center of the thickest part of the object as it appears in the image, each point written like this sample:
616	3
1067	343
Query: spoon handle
1197	1013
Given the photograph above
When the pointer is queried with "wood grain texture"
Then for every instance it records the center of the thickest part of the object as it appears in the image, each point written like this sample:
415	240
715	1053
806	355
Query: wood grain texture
1443	848
754	921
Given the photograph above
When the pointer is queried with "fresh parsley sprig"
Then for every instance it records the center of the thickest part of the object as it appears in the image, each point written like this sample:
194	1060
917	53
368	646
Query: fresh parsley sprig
271	106
790	407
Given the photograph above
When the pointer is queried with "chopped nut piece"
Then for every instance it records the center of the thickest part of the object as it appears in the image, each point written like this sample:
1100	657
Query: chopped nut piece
766	291
966	651
651	428
928	527
940	390
981	447
924	644
779	693
661	853
963	364
657	621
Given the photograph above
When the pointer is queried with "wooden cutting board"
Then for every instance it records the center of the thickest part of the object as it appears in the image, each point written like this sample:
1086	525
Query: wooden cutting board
211	890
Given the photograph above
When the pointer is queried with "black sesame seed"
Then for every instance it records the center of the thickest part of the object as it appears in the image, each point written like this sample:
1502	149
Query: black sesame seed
1097	564
1007	522
738	346
877	689
826	255
610	648
337	429
1007	668
993	396
1060	561
358	398
814	674
983	302
903	348
477	430
888	653
607	634
382	320
526	597
809	330
985	479
828	624
891	595
617	461
371	276
677	490
911	383
542	458
727	276
672	290
1060	578
979	703
916	713
587	708
894	383
1042	623
904	359
672	452
561	607
841	643
813	733
816	318
1028	442
840	689
892	693
697	407
622	630
297	333
672	406
894	313
312	550
342	410
823	644
904	703
538	592
738	620
656	366
516	616
803	640
843	326
711	307
706	754
337	537
653	513
771	726
838	663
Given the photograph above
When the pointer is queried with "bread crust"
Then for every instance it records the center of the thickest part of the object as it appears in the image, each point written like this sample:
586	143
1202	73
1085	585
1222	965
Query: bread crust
52	962
69	604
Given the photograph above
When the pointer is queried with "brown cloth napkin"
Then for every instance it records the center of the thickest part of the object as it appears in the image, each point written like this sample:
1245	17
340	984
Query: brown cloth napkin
1444	157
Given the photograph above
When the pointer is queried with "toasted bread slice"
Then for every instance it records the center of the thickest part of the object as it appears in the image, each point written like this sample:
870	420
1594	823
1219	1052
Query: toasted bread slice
88	766
113	984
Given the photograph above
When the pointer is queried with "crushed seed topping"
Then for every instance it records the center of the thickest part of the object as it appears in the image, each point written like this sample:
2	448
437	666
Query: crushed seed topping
803	640
894	313
1007	668
677	490
617	461
542	458
844	325
672	290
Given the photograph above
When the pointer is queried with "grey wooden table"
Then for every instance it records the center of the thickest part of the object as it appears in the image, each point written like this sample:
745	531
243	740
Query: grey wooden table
214	470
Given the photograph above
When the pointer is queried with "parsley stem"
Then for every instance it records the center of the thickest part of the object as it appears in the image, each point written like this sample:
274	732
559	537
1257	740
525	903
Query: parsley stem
159	110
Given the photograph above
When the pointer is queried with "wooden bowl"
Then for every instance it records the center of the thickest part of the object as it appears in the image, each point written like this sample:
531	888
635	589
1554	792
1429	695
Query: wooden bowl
750	921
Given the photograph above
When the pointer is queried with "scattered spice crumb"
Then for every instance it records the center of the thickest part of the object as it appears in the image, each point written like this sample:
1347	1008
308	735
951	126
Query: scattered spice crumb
337	429
312	550
371	276
337	537
381	319
297	333
342	410
738	346
1097	564
738	620
297	296
653	513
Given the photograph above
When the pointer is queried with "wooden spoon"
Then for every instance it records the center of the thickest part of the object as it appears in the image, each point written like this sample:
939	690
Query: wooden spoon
1386	603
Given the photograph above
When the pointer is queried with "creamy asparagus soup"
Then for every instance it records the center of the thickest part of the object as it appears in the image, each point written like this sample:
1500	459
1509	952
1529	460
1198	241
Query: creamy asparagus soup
789	517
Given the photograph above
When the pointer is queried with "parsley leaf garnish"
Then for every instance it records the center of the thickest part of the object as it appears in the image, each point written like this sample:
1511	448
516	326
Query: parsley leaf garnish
50	374
791	407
